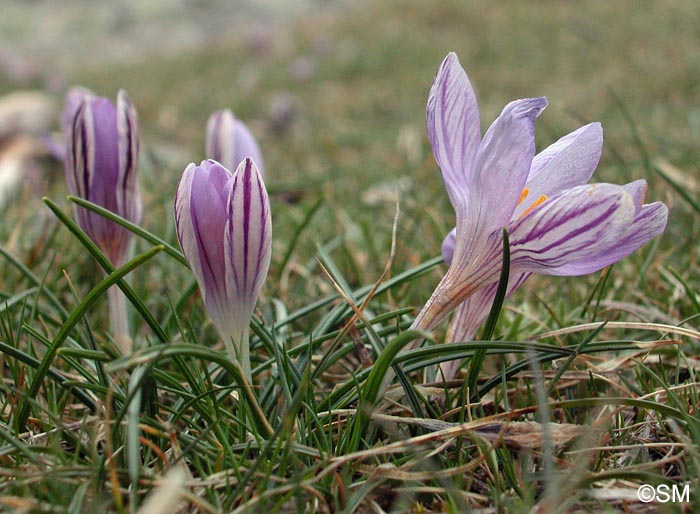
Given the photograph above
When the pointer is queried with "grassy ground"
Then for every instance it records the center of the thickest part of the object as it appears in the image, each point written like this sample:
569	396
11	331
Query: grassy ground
337	143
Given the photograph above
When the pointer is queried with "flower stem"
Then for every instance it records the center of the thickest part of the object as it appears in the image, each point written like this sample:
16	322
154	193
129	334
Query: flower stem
118	319
244	355
238	351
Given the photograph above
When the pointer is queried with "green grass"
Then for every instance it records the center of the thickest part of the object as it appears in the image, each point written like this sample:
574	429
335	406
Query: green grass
85	430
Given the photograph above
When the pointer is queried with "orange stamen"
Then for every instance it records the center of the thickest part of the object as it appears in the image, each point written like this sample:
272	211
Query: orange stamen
537	202
523	195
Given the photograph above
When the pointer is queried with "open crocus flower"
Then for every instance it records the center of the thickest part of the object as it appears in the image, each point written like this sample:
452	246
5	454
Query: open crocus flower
557	224
101	165
224	229
229	141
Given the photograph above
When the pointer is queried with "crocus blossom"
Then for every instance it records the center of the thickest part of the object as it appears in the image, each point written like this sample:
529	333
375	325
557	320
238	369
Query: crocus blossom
224	229
556	222
229	141
102	149
101	165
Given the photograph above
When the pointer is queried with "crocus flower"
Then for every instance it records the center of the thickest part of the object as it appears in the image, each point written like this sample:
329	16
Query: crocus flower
101	163
557	224
229	141
224	229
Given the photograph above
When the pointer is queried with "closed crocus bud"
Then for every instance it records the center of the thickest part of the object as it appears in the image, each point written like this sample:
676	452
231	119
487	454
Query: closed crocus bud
101	164
224	229
229	141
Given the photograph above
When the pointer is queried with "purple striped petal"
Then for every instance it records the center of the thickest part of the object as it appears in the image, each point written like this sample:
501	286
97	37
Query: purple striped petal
502	165
247	244
452	120
649	222
579	224
229	141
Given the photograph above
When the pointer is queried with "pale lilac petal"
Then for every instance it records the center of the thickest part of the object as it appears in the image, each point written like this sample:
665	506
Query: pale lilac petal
502	165
200	219
128	194
638	190
452	120
229	141
649	222
568	163
579	224
247	244
448	246
184	225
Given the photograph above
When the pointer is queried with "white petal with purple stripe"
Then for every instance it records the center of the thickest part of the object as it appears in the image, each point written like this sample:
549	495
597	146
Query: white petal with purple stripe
578	224
248	236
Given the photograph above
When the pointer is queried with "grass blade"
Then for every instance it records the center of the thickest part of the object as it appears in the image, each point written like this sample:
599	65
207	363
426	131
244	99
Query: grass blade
89	300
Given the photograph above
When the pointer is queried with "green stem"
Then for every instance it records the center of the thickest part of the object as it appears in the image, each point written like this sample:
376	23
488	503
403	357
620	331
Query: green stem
119	320
237	349
244	354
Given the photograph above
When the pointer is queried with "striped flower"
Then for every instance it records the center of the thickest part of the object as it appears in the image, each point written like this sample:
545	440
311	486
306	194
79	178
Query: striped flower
557	224
101	166
102	150
224	229
229	141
